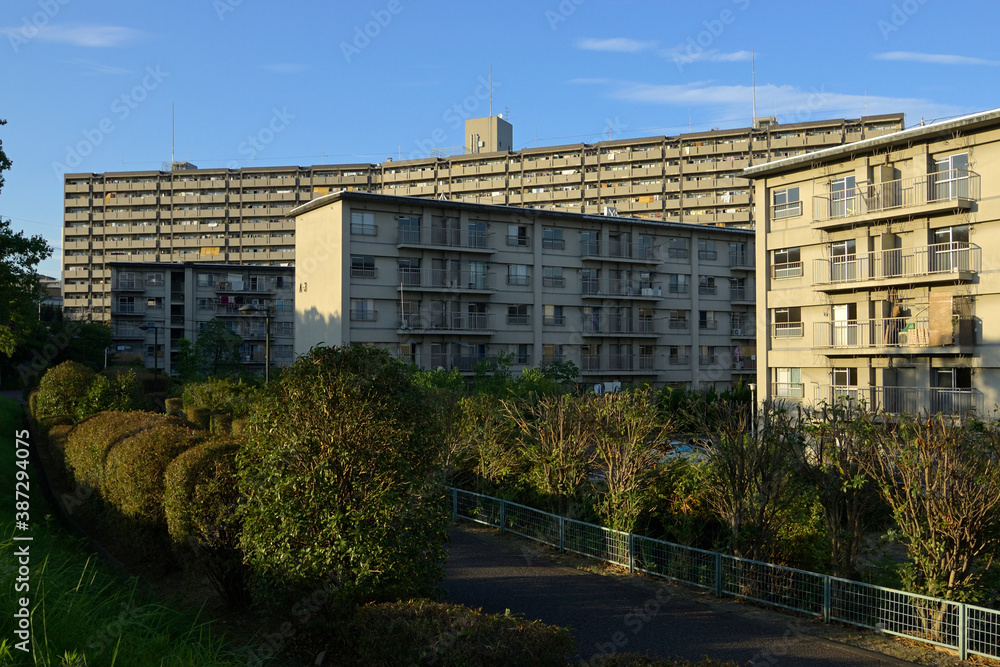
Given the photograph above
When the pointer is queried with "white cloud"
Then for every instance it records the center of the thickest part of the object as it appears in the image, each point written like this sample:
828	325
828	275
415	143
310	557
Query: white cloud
616	44
285	68
90	36
790	103
933	58
682	57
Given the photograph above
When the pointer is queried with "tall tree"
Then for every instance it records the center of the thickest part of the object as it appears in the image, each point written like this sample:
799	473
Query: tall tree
20	290
218	349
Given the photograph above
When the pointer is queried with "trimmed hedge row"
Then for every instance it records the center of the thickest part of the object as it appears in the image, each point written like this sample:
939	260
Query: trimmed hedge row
90	442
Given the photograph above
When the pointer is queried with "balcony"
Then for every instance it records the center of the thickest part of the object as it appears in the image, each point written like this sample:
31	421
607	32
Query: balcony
445	280
746	365
444	238
940	262
910	400
620	289
895	335
742	261
465	323
128	285
939	192
618	326
465	364
787	330
617	363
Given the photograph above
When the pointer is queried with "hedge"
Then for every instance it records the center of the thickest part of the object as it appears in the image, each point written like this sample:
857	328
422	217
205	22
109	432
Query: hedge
88	445
62	389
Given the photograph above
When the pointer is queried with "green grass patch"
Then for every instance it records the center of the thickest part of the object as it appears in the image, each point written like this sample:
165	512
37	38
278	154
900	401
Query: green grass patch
81	612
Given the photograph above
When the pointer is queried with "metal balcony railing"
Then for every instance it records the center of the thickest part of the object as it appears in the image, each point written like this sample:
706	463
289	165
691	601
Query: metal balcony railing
901	332
910	400
944	186
938	258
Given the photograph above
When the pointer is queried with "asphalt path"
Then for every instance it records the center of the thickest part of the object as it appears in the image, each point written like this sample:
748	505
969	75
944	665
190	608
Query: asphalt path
611	614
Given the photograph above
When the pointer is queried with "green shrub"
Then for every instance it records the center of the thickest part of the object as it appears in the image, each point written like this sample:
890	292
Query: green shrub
220	424
221	395
88	445
200	501
422	632
198	416
341	471
62	388
119	392
174	407
238	427
133	472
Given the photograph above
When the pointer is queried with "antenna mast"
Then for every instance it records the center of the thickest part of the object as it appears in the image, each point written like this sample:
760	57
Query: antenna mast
753	74
171	135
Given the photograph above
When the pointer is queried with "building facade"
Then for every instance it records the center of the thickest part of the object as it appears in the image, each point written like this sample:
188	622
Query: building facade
156	304
242	216
449	284
878	273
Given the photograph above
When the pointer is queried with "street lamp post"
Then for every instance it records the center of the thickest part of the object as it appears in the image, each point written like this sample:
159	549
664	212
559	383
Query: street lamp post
248	309
156	345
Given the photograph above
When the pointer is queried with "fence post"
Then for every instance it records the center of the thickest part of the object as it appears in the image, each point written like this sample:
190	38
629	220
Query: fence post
562	534
963	631
827	598
631	553
718	575
454	504
503	515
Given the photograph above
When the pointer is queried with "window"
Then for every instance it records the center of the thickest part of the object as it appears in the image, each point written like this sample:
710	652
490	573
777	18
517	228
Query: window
552	276
363	223
553	316
363	266
409	229
409	271
677	355
362	310
552	353
477	234
706	250
126	280
844	261
678	283
788	383
553	238
283	306
517	314
706	284
844	383
517	274
205	279
678	319
786	203
517	235
590	244
592	319
707	321
738	289
706	355
621	244
950	251
154	303
156	279
951	177
126	304
522	354
786	263
843	197
677	248
787	322
206	304
738	255
283	329
590	281
644	248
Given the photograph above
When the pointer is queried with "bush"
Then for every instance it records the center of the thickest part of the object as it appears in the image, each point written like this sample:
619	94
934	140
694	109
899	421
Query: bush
422	632
217	395
174	407
119	392
341	474
88	445
133	472
220	424
200	501
62	388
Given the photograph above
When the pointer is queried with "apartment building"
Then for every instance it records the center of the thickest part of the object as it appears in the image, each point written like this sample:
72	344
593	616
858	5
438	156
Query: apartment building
242	216
879	272
449	284
156	304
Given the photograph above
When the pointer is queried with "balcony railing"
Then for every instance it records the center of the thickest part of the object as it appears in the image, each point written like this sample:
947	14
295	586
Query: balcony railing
896	332
910	400
932	260
482	322
787	330
786	270
945	186
618	362
788	390
619	288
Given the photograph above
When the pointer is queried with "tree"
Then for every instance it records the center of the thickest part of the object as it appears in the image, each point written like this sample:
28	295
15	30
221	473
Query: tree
186	359
218	349
20	290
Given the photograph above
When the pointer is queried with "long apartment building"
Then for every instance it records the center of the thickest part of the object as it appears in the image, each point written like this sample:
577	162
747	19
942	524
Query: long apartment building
242	216
449	284
156	304
878	271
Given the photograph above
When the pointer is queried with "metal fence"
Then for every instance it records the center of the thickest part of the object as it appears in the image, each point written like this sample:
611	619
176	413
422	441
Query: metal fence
965	628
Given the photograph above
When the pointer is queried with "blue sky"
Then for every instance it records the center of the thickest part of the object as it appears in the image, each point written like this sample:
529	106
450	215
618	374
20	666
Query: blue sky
88	86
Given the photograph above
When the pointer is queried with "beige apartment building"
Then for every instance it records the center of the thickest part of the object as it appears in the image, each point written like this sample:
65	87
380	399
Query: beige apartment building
448	284
242	216
156	304
879	275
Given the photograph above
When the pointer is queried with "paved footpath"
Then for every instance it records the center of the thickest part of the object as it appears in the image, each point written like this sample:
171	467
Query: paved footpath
618	613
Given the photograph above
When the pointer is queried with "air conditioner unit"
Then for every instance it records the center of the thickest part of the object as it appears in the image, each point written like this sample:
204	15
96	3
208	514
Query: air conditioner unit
737	332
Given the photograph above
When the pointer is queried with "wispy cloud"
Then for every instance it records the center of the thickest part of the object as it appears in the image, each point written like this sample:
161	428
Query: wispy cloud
92	68
934	58
684	57
285	68
789	103
615	44
90	36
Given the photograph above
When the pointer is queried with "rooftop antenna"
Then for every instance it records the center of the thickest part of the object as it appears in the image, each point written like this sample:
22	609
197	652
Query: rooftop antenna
171	135
491	90
753	84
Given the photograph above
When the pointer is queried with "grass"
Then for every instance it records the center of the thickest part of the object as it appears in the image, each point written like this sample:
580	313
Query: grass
82	612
